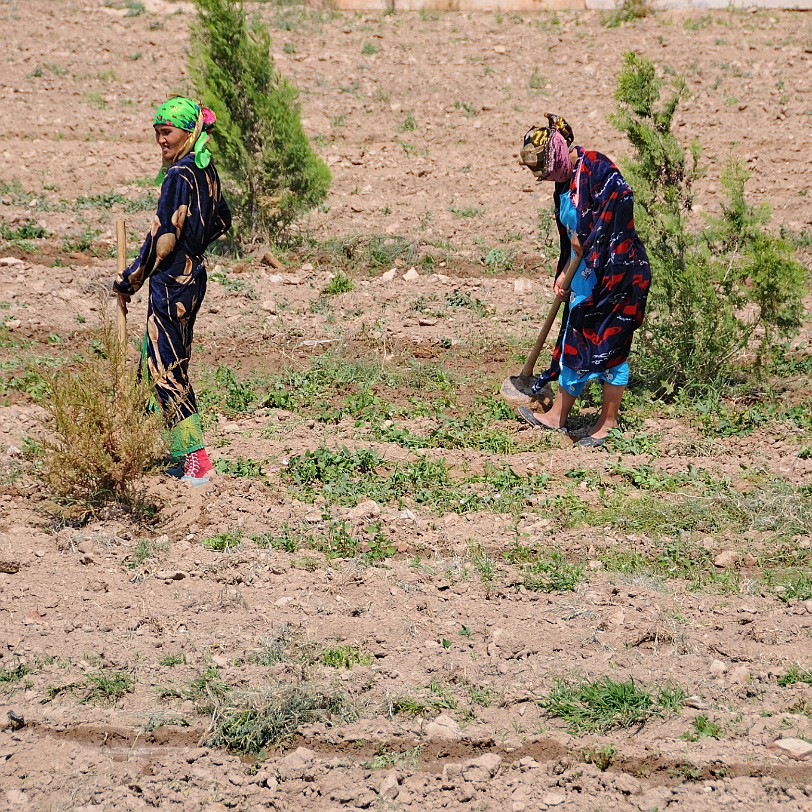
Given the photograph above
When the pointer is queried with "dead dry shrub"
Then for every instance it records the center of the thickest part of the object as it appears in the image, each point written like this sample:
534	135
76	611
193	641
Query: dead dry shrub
103	435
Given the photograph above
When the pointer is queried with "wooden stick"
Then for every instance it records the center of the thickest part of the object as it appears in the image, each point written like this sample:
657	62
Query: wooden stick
530	364
121	260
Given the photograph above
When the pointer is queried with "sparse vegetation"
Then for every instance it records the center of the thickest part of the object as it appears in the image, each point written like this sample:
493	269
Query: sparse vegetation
104	435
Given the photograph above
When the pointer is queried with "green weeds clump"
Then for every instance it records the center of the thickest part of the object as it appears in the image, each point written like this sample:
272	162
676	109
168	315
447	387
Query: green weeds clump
605	704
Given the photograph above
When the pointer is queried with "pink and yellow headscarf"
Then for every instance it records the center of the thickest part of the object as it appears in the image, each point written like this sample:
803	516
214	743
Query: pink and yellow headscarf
197	120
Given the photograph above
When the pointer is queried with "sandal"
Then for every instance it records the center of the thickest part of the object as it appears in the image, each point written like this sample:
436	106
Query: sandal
592	442
528	416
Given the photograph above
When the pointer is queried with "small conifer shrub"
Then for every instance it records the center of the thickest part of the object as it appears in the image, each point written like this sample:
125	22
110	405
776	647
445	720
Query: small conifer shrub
713	288
271	173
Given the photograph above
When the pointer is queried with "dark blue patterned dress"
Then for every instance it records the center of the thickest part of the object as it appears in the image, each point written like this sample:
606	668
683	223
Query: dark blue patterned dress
596	334
191	213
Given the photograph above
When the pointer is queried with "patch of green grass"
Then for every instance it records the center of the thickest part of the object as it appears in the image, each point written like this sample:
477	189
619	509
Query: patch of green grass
798	588
233	284
459	299
172	660
84	243
386	758
702	727
106	687
27	231
143	550
677	559
222	391
250	722
794	675
545	570
15	672
345	657
288	539
344	476
466	211
222	542
605	704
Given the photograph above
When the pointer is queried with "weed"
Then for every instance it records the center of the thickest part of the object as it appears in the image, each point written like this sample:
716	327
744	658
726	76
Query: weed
409	124
222	542
14	673
795	675
369	49
171	660
602	756
241	467
84	243
104	434
466	211
702	728
537	80
145	549
497	260
628	11
233	284
638	444
386	758
340	283
287	539
345	657
27	231
798	588
106	687
546	570
603	705
252	721
458	299
224	392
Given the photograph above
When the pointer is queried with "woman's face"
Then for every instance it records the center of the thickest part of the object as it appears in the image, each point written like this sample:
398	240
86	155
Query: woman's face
170	140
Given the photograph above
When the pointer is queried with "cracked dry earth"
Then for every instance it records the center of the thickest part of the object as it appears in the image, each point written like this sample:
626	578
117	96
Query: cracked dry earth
427	624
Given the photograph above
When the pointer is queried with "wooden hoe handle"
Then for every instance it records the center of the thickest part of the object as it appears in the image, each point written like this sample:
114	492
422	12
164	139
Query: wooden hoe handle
121	261
530	364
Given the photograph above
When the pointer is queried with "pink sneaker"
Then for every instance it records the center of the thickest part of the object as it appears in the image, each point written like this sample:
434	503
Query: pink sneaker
197	469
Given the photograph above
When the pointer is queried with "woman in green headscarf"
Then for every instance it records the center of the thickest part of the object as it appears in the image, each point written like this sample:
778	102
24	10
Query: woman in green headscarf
191	213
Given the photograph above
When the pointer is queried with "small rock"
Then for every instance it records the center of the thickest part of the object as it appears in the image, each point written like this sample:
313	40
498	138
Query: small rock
389	786
627	784
553	798
696	702
443	727
717	668
522	286
427	321
481	769
170	575
740	674
269	306
411	275
388	276
794	748
364	510
725	560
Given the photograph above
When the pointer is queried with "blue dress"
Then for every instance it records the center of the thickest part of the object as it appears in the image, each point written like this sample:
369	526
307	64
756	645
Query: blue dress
611	289
191	214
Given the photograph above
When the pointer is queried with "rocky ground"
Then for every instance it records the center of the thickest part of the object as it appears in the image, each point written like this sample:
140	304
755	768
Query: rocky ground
418	617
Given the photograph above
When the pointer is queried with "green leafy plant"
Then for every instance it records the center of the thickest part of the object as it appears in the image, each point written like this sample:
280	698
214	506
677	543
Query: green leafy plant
345	657
272	173
702	727
340	283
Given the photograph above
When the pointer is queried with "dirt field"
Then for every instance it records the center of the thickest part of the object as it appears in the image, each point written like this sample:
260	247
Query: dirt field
416	604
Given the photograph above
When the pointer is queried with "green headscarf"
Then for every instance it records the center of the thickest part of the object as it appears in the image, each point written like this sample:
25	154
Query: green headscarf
186	115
